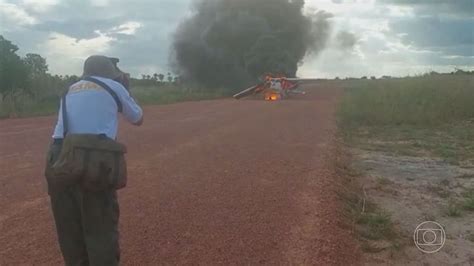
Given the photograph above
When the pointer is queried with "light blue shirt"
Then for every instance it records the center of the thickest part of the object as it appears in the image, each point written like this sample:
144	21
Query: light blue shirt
92	110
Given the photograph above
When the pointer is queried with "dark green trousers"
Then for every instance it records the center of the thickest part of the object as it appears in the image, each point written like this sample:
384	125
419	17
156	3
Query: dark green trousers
86	223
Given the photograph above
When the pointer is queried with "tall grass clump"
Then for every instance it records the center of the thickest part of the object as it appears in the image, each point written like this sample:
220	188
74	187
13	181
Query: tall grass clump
425	100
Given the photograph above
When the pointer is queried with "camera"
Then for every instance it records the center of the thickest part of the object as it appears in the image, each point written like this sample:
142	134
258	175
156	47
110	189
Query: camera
124	78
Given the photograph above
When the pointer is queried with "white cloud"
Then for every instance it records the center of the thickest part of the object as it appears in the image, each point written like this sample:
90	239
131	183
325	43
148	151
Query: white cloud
99	3
66	54
346	7
75	51
128	28
14	14
39	6
379	51
401	11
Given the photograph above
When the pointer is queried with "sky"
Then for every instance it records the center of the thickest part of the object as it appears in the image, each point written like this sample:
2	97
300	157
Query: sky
368	37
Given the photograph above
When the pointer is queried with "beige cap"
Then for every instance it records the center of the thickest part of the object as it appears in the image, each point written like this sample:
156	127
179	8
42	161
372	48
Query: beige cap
101	66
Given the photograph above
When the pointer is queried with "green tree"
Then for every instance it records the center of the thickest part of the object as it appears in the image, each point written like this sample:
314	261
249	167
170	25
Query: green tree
161	77
170	78
155	77
13	72
38	79
36	65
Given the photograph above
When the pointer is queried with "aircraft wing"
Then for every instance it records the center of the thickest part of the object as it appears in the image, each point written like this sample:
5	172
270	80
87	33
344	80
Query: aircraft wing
246	92
300	80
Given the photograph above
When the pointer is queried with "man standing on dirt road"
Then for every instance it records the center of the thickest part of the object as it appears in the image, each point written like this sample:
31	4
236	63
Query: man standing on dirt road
86	215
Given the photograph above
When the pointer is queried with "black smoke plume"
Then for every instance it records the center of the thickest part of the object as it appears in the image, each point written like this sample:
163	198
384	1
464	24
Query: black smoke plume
231	43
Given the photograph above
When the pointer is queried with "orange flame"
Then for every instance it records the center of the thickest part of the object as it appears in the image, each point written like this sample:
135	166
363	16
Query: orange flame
272	96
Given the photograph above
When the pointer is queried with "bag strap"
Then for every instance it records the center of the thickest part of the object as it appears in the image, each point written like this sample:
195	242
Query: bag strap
64	115
108	89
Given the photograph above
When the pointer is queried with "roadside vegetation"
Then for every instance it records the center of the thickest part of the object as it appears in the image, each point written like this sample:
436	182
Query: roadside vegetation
28	89
26	105
430	115
175	93
372	225
430	99
406	127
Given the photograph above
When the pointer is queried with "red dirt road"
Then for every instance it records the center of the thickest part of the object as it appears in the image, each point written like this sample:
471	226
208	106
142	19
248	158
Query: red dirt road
212	182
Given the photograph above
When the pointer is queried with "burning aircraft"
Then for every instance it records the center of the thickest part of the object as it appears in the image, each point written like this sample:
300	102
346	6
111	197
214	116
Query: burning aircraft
273	88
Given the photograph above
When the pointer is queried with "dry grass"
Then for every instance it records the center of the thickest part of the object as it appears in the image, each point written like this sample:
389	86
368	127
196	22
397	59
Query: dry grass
172	94
429	116
429	100
27	105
